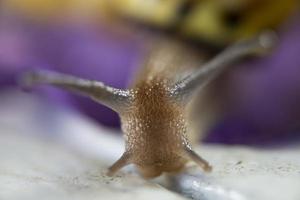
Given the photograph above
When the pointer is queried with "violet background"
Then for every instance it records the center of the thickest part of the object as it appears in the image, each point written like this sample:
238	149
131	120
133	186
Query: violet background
262	96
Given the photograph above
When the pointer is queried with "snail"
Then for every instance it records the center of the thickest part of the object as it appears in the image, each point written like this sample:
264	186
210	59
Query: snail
153	110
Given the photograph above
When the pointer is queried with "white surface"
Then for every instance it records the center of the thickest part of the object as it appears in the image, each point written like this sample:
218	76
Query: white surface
242	173
35	169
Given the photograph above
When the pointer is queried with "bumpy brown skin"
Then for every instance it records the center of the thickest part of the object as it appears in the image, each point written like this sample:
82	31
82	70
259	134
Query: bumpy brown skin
154	125
155	130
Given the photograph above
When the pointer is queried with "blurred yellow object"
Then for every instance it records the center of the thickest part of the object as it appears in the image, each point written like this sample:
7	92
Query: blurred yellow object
209	19
215	21
48	9
36	8
267	14
156	12
203	21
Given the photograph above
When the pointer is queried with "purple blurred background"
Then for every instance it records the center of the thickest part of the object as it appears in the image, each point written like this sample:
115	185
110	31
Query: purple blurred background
85	50
262	96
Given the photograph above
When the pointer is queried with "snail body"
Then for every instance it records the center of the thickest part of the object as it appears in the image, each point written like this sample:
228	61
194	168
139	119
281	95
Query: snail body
153	111
155	125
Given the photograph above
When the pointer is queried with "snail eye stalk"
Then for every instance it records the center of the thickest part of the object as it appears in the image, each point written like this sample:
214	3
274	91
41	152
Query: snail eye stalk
260	45
114	98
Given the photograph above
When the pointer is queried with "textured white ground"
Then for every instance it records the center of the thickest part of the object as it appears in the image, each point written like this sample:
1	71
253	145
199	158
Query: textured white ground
48	153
